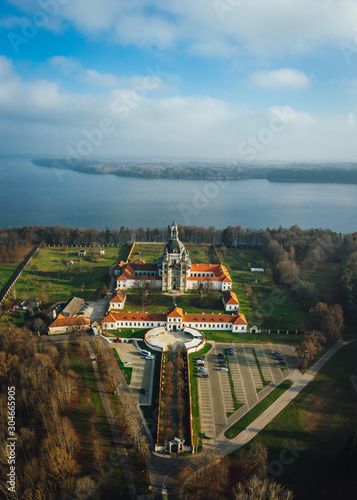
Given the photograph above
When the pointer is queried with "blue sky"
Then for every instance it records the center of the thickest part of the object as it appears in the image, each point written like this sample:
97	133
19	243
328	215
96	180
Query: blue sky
221	79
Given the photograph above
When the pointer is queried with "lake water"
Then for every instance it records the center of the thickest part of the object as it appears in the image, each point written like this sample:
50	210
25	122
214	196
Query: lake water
31	195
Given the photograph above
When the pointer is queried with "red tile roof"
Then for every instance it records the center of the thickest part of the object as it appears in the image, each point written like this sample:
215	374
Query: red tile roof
119	297
220	272
62	321
113	317
230	298
127	271
175	313
235	319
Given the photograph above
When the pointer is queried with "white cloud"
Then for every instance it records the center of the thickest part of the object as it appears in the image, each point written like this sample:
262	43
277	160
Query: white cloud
6	68
38	116
269	27
65	64
280	78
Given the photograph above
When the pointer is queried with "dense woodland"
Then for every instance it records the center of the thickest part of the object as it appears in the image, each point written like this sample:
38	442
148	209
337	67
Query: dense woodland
47	446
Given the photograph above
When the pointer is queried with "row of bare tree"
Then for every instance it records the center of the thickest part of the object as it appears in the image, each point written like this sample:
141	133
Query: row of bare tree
48	448
242	476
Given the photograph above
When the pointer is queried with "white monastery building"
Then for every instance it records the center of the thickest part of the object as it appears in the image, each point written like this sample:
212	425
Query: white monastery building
174	319
173	271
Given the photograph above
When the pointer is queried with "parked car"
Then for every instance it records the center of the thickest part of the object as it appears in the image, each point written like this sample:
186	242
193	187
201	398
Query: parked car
201	369
149	357
117	339
282	362
200	363
130	341
203	375
220	355
144	391
199	359
223	369
127	363
277	353
144	353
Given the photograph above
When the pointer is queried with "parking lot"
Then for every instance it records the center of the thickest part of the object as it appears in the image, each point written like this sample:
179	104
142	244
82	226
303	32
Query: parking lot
215	394
143	371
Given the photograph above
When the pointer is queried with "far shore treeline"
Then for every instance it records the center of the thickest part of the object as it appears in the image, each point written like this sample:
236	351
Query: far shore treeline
193	170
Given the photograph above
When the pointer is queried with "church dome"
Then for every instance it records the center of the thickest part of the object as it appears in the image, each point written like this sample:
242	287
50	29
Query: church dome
175	246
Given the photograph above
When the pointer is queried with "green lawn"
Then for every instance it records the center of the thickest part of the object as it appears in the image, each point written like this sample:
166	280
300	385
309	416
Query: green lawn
6	271
237	404
48	272
201	254
128	333
320	420
196	425
263	303
265	382
257	410
127	370
15	318
149	253
250	338
325	278
163	302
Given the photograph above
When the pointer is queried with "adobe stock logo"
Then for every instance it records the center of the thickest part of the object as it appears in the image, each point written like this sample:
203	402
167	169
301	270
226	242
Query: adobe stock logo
255	144
31	26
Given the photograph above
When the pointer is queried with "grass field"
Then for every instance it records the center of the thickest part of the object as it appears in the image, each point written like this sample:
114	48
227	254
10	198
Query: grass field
325	278
6	271
127	370
264	303
257	410
49	272
163	302
320	420
250	338
149	253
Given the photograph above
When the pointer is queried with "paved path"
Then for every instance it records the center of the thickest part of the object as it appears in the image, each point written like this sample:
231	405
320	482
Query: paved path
116	437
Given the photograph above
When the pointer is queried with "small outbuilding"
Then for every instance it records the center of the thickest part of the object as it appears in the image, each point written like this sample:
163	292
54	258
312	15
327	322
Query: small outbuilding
174	445
72	307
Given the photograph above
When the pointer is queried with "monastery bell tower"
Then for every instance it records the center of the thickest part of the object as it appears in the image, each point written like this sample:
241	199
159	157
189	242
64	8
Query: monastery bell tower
175	263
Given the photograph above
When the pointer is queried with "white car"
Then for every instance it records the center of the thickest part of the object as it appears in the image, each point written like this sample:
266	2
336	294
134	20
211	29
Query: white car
127	363
149	357
144	353
223	369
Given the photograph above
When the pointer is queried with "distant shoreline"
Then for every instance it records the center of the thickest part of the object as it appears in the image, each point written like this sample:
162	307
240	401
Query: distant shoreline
316	173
